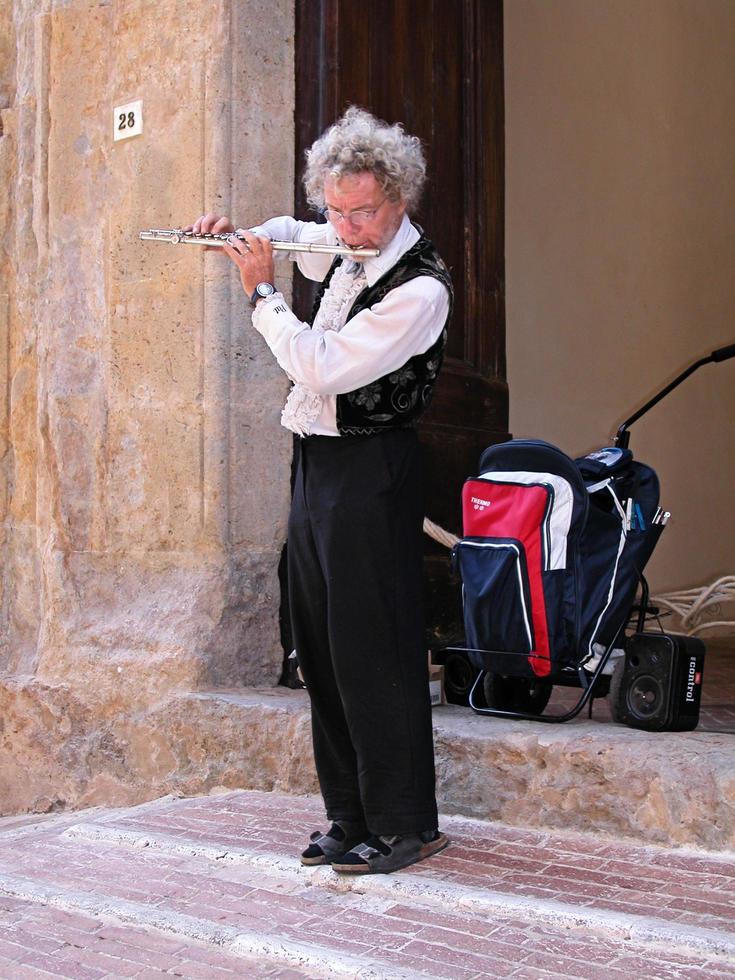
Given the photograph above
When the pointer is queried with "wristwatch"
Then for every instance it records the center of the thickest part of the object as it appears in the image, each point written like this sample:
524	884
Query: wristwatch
262	291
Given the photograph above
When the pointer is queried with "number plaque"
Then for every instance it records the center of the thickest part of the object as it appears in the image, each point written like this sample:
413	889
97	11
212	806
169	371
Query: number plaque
128	120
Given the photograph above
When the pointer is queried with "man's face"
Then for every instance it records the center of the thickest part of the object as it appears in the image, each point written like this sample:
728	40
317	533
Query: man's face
361	214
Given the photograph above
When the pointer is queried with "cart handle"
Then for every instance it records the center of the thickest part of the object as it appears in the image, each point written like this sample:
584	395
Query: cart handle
721	354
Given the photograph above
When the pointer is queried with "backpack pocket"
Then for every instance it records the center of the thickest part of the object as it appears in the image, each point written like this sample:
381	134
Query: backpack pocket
496	596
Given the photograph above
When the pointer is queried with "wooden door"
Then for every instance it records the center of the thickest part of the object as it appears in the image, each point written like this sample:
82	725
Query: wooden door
437	67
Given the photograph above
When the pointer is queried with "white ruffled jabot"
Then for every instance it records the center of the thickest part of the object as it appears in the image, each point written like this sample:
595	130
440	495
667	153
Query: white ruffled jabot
303	406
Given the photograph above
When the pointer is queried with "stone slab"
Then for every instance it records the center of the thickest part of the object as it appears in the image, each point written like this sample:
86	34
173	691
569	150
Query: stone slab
670	788
204	885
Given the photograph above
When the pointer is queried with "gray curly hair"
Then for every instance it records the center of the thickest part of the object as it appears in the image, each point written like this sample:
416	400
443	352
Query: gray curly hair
359	142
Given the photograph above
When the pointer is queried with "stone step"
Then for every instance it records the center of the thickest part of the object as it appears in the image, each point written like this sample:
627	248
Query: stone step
214	883
592	775
48	935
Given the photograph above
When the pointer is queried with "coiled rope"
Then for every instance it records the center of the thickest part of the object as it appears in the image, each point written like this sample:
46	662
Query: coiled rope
692	605
439	534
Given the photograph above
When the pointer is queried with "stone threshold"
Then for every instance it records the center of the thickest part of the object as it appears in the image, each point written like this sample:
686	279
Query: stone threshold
669	788
211	886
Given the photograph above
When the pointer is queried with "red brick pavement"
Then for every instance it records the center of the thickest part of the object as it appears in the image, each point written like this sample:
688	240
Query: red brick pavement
210	887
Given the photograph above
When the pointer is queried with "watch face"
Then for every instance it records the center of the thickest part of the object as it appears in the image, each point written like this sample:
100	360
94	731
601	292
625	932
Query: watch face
265	289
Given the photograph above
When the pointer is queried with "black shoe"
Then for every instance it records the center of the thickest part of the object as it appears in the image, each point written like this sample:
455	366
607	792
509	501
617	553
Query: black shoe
341	836
381	855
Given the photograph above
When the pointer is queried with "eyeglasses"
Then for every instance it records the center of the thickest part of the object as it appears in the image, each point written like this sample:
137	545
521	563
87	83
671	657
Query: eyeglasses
356	218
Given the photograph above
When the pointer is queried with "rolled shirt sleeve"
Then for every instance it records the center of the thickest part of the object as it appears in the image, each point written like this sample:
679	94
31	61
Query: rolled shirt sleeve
373	343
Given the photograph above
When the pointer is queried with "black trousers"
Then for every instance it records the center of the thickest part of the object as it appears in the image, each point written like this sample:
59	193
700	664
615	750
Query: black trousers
354	561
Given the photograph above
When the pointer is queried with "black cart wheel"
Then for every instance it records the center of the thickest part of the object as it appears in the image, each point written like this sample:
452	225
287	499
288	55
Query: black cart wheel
616	682
459	676
524	694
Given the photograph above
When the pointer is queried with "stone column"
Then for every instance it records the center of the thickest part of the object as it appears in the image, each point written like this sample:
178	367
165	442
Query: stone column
145	474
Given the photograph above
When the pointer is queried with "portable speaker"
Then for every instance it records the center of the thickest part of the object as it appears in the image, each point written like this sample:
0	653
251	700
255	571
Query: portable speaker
658	686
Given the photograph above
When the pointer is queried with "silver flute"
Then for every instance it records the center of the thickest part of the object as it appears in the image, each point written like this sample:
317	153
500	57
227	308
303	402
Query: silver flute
176	236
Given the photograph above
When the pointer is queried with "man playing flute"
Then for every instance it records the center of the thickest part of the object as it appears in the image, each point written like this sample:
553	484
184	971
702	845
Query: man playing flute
362	374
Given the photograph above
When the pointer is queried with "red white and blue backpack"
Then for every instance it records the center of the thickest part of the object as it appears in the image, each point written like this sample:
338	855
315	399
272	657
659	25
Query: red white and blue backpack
552	554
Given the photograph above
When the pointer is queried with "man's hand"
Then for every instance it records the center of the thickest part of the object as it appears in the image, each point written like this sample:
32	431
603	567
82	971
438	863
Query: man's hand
253	257
214	224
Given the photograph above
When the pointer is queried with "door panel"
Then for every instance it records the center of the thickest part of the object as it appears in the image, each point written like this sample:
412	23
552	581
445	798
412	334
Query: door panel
436	66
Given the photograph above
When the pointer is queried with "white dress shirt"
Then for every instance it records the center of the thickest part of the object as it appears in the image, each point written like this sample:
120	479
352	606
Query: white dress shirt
373	343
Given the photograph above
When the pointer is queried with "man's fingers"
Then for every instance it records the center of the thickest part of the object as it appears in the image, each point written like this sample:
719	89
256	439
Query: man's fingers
211	223
207	223
237	245
255	243
250	240
222	226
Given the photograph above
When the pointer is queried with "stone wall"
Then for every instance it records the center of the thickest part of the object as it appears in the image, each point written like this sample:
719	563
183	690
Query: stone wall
144	471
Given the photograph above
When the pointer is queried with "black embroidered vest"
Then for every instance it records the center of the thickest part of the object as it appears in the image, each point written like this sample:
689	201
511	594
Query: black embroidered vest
399	398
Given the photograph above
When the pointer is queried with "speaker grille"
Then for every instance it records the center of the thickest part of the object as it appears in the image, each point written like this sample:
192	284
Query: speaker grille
645	697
